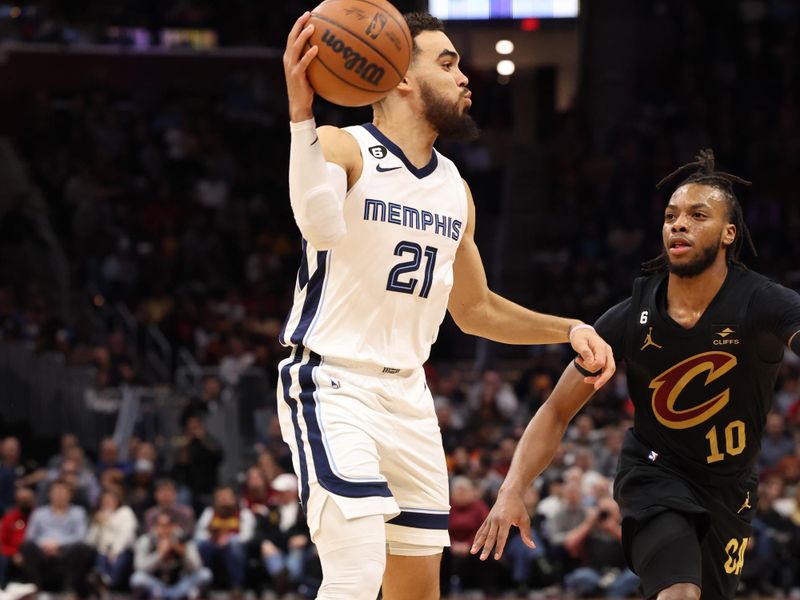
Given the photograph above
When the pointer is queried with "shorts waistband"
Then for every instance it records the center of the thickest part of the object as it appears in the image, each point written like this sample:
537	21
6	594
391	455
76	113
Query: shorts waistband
368	368
639	450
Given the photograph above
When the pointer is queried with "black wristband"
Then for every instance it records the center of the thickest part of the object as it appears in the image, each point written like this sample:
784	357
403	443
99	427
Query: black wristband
585	372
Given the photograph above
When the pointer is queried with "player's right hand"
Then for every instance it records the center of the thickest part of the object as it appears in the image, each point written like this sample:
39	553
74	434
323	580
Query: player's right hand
594	355
509	510
295	63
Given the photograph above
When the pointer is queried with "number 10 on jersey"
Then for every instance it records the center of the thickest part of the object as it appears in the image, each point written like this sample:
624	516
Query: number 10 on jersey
409	286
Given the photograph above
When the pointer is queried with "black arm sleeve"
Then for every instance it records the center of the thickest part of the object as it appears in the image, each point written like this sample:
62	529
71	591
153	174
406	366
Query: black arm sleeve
611	327
776	310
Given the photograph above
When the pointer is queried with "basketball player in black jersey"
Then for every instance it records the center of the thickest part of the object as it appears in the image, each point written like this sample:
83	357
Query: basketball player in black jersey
703	340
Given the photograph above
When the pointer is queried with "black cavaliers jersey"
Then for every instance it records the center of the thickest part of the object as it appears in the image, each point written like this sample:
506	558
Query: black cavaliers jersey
701	395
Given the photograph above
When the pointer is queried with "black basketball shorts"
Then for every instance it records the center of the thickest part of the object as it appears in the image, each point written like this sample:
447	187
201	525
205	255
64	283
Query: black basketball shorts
718	516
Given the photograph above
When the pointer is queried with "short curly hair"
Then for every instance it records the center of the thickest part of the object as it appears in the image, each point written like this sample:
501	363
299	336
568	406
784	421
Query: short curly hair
421	21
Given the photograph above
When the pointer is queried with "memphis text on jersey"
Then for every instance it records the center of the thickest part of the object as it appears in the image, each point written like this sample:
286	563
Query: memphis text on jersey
413	218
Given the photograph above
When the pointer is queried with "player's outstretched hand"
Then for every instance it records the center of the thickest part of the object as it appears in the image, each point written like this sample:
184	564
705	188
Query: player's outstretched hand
595	355
296	59
507	511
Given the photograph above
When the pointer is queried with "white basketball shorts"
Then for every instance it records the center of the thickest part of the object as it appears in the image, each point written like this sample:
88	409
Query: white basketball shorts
366	437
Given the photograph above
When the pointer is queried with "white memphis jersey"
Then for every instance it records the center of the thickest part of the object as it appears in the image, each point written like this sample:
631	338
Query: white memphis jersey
379	296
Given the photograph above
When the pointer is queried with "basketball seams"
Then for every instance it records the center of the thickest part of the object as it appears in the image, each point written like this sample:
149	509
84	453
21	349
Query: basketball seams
358	37
402	26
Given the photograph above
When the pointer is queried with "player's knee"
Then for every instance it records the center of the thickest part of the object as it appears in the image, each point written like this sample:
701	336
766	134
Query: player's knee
666	550
353	573
680	591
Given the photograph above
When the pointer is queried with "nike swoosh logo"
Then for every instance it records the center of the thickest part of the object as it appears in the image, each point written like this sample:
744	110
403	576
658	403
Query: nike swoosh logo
381	169
316	139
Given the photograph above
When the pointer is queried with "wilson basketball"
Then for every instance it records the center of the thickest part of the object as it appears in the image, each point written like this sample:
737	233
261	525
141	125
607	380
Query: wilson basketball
364	50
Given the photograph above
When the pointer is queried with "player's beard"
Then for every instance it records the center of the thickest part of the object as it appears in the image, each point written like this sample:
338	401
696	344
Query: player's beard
697	266
447	118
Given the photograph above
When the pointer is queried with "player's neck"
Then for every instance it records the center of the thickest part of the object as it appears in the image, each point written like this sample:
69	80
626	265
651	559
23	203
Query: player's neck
689	297
414	136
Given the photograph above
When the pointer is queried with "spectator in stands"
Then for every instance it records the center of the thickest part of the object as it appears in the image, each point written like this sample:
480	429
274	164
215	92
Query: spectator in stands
84	488
550	499
596	542
529	566
67	443
788	467
460	569
10	471
256	492
608	456
778	537
569	514
12	533
776	443
237	360
109	458
167	503
112	534
141	492
582	433
75	470
18	591
54	551
284	536
197	462
167	564
533	388
268	466
491	396
206	403
451	428
221	534
119	352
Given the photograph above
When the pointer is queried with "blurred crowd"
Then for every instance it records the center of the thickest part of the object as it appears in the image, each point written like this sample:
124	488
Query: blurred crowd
176	206
159	520
721	75
169	204
236	22
113	521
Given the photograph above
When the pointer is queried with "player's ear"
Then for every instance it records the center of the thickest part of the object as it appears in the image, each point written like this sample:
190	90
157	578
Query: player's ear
729	234
406	83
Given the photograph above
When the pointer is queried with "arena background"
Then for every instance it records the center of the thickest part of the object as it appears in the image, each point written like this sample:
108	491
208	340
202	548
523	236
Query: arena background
148	253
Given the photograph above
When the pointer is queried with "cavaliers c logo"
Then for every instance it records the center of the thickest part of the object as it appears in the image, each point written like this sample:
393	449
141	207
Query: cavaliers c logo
669	385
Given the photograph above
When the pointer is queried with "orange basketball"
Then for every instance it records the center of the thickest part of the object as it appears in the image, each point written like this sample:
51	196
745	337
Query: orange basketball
364	50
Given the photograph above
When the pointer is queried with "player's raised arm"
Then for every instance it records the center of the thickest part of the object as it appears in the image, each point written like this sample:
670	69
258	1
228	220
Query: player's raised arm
534	452
479	311
323	163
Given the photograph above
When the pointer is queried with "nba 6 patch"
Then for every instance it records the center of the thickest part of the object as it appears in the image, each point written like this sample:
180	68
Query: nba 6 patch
378	151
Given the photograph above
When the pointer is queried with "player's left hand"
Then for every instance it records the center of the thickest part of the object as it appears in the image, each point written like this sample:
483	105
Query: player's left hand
508	510
595	355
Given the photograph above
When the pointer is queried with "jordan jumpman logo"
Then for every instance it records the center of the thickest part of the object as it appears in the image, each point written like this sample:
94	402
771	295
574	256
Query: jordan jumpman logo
746	504
648	340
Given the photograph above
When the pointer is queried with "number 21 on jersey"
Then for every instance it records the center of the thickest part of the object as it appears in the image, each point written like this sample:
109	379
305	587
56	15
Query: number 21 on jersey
397	283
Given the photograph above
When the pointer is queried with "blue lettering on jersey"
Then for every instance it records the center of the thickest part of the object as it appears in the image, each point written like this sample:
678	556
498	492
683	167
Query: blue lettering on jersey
427	219
413	218
441	225
394	213
375	210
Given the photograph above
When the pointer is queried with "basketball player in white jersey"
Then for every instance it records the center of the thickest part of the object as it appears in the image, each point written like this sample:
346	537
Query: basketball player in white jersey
387	225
